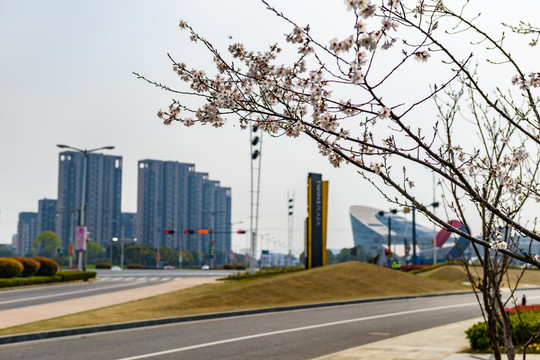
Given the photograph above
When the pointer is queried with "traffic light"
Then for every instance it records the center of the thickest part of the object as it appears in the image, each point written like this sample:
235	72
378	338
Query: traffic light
169	232
189	232
388	253
241	232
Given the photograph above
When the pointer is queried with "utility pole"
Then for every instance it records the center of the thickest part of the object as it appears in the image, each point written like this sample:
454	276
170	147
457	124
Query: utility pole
256	148
290	225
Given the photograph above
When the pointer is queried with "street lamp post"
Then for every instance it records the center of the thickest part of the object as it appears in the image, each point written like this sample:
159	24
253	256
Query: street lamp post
82	213
115	239
413	208
381	213
435	205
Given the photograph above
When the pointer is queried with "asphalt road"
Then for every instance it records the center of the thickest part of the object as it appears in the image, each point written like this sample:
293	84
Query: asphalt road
300	334
107	281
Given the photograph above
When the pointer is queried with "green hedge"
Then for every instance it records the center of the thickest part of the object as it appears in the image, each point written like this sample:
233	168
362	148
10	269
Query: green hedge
76	275
103	266
63	276
234	267
264	272
479	338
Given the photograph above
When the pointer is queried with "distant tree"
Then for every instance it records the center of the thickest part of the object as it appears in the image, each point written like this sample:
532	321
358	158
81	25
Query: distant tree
168	256
350	254
302	258
46	244
94	251
189	258
5	251
139	254
330	257
345	255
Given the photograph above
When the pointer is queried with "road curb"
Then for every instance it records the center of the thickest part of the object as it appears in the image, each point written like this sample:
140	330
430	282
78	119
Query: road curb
44	335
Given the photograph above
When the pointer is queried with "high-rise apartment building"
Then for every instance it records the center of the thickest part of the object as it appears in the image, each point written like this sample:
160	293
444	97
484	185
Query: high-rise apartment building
222	222
173	196
103	184
46	217
127	227
26	232
162	203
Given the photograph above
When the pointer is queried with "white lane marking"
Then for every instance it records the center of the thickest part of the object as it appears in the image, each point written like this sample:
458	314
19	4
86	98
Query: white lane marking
60	294
166	279
279	332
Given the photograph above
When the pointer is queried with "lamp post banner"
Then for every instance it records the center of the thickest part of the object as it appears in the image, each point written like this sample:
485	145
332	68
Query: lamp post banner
80	238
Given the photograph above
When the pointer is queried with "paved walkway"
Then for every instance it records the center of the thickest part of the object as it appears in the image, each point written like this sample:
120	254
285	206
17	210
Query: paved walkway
47	311
439	343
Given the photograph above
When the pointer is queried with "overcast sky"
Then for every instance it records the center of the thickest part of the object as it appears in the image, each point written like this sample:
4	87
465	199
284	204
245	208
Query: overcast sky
66	78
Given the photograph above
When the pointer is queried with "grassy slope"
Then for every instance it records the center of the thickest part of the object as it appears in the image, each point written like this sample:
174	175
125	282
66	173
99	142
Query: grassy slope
353	280
455	274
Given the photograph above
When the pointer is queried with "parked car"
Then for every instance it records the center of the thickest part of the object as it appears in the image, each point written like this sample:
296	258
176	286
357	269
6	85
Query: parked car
169	267
116	268
205	267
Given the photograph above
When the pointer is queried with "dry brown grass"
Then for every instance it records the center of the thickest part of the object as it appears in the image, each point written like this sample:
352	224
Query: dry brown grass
352	280
455	274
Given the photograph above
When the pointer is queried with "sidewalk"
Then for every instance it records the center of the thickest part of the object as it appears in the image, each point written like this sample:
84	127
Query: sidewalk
439	343
47	311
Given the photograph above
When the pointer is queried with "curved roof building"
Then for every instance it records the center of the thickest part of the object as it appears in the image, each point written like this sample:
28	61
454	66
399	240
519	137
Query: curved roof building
370	230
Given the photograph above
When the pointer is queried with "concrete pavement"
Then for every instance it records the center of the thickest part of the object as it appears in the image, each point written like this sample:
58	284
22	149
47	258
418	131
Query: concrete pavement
440	343
48	311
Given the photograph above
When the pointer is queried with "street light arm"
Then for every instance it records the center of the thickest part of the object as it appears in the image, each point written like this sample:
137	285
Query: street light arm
62	146
100	148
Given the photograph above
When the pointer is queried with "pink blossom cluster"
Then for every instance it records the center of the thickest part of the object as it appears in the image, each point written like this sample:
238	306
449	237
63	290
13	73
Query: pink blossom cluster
532	80
499	245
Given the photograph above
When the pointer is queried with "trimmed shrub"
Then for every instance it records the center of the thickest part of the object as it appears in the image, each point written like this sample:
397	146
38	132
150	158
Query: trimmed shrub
48	267
103	266
478	336
134	266
240	267
521	325
10	267
31	266
76	275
